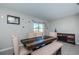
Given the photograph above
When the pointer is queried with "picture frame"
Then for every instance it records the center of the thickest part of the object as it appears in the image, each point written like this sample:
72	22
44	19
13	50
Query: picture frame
13	19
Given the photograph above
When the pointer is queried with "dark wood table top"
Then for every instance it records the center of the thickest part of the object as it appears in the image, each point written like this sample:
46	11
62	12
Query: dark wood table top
33	43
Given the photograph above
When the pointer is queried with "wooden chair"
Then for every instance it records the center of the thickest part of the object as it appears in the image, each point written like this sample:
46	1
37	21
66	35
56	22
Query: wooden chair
39	34
18	50
53	34
31	34
34	34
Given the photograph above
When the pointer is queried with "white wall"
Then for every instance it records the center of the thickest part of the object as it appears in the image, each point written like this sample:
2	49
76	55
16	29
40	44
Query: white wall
67	25
6	30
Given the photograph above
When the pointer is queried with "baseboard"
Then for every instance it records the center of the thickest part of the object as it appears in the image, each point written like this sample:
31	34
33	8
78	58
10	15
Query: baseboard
6	49
77	43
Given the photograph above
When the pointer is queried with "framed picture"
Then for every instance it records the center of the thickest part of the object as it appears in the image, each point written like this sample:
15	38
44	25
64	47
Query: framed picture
13	20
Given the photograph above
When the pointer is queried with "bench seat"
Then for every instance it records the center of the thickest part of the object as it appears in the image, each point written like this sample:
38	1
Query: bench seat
49	49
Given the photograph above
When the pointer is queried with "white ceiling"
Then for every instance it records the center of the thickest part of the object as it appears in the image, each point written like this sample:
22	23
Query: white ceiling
48	11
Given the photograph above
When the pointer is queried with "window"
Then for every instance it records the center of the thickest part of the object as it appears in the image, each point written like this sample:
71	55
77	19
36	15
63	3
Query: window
38	27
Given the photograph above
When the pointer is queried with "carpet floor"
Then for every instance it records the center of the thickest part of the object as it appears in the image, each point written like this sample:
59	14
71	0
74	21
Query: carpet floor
70	49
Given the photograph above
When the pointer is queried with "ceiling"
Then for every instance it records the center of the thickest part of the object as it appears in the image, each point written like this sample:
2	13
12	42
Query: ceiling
46	11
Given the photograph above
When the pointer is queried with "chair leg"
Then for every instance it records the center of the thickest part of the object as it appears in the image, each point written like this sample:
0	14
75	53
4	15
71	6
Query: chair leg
13	53
58	52
29	54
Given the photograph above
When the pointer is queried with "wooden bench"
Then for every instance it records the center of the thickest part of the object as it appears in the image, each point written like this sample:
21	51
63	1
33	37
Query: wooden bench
50	49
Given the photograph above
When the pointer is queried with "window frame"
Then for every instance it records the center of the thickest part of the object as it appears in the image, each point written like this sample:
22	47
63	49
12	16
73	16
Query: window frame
38	28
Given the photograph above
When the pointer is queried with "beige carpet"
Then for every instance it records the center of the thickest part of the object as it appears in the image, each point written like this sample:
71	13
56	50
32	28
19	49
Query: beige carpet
70	49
